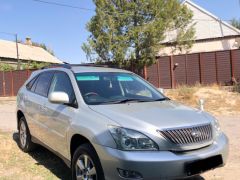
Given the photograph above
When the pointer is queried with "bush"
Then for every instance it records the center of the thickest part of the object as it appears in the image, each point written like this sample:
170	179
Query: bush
186	92
34	65
6	67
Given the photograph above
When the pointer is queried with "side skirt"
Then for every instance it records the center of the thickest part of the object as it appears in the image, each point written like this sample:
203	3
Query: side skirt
65	160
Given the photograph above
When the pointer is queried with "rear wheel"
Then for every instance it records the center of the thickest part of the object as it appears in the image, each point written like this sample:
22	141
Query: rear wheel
25	142
86	164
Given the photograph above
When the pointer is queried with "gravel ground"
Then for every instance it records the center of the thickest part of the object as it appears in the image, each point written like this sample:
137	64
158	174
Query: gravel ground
230	125
8	115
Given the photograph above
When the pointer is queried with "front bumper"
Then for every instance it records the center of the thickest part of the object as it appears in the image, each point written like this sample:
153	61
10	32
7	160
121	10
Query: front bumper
157	164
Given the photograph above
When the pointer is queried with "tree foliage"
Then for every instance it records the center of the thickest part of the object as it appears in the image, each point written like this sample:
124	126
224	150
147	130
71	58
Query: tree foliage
35	65
6	67
131	31
236	23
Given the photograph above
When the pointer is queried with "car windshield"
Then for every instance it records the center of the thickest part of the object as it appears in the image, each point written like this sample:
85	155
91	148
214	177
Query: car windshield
115	88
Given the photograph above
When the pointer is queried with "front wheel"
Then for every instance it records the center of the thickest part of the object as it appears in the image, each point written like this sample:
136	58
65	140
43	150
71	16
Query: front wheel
86	164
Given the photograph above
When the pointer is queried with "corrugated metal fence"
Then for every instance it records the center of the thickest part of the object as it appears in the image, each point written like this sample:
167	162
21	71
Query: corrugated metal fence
205	68
169	71
11	81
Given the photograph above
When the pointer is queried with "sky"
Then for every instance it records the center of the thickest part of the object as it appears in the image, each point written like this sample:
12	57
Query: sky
64	29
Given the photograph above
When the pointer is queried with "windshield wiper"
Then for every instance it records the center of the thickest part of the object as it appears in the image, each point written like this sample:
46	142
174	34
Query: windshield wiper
133	100
125	101
162	99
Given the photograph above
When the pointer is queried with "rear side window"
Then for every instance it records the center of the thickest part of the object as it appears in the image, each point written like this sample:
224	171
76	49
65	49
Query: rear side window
31	83
43	83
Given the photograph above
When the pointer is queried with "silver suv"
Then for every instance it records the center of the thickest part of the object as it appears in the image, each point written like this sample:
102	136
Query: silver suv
111	124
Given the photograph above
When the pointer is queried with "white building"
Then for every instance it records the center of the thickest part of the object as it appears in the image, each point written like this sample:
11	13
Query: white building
27	53
212	34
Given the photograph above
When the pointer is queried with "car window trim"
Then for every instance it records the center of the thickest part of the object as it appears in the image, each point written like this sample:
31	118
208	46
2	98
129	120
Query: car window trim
36	81
56	71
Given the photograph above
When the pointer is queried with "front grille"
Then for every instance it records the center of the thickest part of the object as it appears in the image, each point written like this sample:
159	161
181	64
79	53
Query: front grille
189	135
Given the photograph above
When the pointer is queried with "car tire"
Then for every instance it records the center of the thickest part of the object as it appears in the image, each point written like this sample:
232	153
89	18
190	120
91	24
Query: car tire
24	135
90	169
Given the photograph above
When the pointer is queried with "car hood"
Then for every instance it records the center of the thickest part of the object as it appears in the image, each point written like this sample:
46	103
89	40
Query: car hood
144	115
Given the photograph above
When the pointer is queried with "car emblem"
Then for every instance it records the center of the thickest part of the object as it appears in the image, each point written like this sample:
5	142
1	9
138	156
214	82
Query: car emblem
196	134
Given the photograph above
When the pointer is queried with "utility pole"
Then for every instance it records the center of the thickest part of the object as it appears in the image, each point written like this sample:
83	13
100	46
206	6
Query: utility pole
18	60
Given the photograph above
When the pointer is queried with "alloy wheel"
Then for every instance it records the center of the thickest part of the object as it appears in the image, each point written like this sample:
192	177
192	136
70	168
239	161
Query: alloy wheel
23	134
85	168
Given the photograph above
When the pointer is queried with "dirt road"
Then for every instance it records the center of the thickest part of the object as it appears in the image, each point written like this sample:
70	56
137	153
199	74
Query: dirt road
7	115
230	125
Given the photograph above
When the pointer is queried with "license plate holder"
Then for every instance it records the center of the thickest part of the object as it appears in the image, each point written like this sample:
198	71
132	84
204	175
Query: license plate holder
203	165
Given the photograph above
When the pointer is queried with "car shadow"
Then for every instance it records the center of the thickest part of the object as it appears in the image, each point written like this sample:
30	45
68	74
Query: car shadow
49	160
53	163
198	177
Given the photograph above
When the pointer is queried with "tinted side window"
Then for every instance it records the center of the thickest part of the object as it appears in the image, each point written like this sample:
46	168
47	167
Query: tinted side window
30	84
62	83
43	83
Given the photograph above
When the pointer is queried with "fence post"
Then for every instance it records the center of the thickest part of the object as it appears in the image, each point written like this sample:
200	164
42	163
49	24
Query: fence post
231	64
4	85
145	72
12	92
216	67
171	72
200	67
27	73
158	73
186	75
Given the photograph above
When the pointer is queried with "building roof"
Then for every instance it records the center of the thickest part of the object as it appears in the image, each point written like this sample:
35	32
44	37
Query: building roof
26	52
207	25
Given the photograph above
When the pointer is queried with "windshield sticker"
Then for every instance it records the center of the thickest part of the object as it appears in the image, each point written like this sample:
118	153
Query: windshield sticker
87	78
124	78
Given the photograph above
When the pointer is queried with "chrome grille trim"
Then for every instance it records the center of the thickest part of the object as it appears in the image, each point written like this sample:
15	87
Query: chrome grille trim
188	135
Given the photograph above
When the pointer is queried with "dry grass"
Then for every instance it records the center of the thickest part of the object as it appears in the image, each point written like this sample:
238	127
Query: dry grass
39	165
217	99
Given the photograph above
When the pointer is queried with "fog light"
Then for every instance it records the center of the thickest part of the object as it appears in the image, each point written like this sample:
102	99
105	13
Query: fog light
129	174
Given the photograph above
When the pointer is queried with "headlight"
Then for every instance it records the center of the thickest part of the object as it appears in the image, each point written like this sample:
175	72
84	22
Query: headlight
130	140
217	127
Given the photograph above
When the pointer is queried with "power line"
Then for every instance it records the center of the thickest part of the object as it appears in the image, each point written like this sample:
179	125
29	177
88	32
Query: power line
75	7
8	33
16	41
64	5
108	13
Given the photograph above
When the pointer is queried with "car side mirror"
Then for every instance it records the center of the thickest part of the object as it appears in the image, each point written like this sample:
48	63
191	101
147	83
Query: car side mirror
58	98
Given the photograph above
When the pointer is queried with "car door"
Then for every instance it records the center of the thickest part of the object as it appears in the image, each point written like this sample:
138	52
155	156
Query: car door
36	101
59	115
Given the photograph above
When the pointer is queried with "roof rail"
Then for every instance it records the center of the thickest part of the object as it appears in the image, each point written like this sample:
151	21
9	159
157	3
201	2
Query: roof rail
91	65
69	66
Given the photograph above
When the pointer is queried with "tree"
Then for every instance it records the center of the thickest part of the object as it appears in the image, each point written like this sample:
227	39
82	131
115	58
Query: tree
131	31
236	23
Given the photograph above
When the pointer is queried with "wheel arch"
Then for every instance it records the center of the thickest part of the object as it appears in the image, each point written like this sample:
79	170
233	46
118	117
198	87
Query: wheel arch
76	141
19	116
